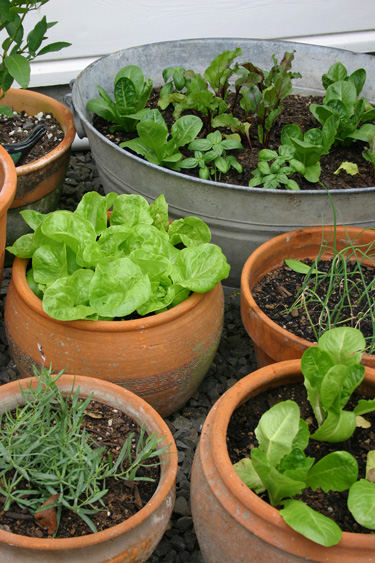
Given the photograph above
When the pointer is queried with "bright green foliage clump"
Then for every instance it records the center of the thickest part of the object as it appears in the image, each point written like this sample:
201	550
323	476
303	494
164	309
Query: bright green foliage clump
86	267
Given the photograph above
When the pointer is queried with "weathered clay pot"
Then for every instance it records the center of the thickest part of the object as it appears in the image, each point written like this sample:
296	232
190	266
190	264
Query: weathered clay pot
232	523
163	358
8	185
39	183
133	540
273	343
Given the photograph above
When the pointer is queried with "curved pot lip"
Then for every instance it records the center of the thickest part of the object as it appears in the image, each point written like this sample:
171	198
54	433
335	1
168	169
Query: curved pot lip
147	322
8	189
62	114
256	257
166	481
172	173
219	421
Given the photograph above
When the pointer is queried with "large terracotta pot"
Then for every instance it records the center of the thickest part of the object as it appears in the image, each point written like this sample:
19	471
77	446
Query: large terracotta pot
232	523
8	185
163	358
133	540
273	343
39	183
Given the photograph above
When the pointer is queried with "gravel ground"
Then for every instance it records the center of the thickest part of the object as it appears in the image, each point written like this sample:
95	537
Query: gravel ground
234	359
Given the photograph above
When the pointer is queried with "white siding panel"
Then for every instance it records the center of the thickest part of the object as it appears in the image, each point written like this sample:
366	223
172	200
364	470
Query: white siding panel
100	27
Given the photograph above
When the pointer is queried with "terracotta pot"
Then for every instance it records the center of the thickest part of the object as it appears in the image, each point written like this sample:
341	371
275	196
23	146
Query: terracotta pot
8	185
162	357
232	523
273	343
133	540
39	183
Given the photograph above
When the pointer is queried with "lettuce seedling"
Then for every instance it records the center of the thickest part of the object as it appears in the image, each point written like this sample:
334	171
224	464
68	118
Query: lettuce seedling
131	93
309	147
332	371
273	175
153	143
342	100
279	466
263	92
175	81
212	150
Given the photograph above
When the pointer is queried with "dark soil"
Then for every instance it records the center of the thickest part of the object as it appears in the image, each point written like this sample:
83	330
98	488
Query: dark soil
241	439
15	129
109	428
296	110
277	291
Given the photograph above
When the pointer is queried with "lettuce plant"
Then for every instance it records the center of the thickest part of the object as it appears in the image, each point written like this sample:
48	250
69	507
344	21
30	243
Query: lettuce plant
153	143
279	465
131	93
86	267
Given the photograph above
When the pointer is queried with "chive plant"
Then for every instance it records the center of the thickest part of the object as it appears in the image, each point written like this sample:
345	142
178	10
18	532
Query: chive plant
45	451
348	295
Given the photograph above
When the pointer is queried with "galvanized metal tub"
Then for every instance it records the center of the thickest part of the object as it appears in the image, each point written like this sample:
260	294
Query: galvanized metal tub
240	218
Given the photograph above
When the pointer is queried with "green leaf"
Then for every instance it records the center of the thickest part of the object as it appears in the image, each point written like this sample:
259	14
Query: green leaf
18	67
191	231
118	288
67	298
185	129
364	406
35	37
130	210
53	47
337	427
134	74
361	503
200	268
245	470
345	345
271	432
278	486
311	524
336	471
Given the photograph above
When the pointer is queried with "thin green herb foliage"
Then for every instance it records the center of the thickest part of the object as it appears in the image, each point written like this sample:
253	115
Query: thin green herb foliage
43	444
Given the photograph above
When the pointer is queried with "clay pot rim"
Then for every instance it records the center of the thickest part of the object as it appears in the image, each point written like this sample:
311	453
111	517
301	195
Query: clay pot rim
8	189
147	322
166	482
61	113
218	420
255	258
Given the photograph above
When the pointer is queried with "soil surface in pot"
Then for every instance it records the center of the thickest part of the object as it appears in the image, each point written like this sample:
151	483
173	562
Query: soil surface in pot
241	439
110	428
276	292
296	110
15	129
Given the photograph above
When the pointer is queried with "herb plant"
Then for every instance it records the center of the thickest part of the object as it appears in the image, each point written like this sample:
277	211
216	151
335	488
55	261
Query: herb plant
131	93
44	446
279	465
86	267
348	285
18	50
272	175
213	151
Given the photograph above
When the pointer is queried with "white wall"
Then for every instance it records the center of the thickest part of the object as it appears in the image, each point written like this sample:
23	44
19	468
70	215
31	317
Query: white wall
100	27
